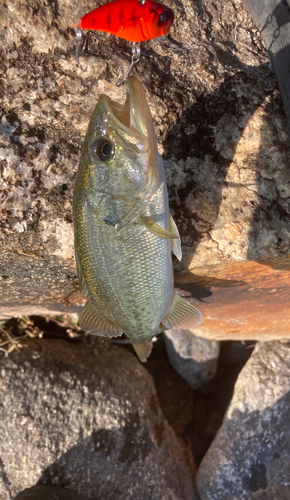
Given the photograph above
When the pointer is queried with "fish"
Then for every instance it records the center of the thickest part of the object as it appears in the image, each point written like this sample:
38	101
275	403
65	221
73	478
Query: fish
133	20
124	233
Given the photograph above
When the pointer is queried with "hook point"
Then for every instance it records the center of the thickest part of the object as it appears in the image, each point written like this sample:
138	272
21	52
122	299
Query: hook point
135	58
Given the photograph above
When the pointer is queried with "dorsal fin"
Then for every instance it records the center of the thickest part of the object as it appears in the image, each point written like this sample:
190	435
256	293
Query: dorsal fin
181	315
97	322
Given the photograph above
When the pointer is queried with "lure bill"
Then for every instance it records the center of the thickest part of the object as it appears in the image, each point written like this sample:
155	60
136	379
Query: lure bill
124	232
133	20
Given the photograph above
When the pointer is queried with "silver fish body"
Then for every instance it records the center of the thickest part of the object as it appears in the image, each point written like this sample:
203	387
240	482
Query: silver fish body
124	233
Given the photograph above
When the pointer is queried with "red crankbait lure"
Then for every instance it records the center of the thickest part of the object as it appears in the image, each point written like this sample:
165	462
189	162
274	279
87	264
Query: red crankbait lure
133	20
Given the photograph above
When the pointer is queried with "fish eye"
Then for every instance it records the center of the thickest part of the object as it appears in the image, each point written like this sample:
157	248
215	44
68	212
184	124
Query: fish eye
103	149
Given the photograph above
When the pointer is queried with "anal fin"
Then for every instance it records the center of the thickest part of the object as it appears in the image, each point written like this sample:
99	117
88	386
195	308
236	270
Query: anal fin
143	348
97	322
181	315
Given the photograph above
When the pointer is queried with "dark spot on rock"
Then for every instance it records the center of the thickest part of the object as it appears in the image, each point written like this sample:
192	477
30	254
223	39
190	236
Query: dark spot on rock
12	117
54	8
49	474
5	477
154	404
137	442
53	153
68	218
158	433
276	455
27	213
40	134
104	441
3	164
36	174
57	195
26	106
256	480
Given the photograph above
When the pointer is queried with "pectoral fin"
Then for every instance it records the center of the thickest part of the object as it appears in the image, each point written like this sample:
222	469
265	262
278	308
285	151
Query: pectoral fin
156	229
98	322
175	243
181	315
143	348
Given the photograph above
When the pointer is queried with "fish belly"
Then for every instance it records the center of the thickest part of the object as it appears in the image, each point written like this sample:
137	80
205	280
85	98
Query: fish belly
128	271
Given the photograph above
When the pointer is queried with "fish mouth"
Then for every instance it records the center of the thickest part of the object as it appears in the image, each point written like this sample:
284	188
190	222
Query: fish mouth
135	113
132	120
135	121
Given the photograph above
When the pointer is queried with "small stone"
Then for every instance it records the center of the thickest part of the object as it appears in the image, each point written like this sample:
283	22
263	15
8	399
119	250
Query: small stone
194	358
250	456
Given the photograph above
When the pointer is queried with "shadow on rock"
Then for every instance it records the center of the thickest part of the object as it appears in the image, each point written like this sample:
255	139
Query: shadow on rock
229	187
199	287
269	234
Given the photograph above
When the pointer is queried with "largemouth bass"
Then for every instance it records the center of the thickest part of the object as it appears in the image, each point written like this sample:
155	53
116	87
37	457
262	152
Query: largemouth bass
124	232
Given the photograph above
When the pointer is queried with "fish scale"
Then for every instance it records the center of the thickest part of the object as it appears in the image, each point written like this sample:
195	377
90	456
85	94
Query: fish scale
135	260
124	232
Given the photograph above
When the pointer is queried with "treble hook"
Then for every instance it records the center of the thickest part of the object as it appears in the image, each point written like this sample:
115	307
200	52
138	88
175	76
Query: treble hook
135	58
78	40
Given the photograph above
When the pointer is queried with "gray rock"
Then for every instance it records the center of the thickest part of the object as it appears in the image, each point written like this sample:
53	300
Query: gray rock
250	457
194	358
88	420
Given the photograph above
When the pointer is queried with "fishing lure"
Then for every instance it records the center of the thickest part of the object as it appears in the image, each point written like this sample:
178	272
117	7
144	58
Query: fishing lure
133	20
